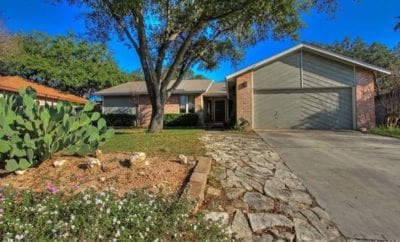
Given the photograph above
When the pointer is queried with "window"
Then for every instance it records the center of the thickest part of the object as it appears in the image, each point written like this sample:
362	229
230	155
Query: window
186	104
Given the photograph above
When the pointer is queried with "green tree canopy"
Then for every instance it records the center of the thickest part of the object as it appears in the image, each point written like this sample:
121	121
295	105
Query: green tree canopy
375	53
64	62
175	35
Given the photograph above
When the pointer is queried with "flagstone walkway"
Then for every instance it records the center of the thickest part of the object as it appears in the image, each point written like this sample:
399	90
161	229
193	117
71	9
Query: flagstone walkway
267	202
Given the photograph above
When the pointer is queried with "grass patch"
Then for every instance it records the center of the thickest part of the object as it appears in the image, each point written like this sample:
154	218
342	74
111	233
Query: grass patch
168	142
91	216
391	132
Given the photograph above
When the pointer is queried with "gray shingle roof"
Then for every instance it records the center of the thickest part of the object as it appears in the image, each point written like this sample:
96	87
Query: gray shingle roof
139	87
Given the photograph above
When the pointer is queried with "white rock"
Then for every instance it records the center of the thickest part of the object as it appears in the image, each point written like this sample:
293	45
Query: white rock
137	157
146	163
99	153
93	162
102	179
58	163
192	162
183	159
20	172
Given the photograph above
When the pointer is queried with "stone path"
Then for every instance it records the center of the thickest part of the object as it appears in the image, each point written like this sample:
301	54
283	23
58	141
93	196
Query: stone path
265	201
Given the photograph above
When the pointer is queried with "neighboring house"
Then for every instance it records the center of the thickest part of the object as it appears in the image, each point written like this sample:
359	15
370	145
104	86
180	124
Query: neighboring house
206	98
304	87
12	84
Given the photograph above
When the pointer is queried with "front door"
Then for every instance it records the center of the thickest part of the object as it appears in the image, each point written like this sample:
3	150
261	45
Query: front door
219	111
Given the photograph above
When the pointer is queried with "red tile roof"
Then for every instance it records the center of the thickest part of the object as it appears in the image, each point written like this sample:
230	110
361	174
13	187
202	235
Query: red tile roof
14	83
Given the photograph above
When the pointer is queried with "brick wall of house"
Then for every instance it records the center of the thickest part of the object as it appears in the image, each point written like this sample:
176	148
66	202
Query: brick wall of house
365	98
144	112
172	106
244	97
198	103
198	107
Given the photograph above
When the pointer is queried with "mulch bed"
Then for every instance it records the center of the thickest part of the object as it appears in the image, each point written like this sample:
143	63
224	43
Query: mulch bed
160	175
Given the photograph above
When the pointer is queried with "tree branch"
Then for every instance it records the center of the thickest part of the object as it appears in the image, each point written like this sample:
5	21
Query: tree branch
184	68
179	56
162	50
143	46
122	25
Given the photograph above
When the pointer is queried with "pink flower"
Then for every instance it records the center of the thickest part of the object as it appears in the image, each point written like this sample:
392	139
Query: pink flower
52	189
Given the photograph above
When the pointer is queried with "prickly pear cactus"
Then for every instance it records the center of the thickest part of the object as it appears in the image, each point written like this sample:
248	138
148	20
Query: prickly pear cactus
31	133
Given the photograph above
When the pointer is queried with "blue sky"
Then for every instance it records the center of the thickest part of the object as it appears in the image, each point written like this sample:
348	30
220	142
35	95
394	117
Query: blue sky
372	20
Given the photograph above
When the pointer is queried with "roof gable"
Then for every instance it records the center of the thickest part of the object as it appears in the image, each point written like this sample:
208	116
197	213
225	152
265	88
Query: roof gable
313	49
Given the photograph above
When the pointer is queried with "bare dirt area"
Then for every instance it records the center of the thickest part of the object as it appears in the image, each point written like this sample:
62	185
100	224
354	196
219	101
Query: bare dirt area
156	174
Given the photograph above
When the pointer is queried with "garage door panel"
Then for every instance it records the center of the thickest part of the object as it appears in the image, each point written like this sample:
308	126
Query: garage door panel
323	108
275	108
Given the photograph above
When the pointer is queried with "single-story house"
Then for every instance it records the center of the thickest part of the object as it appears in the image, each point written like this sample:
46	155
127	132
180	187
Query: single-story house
304	87
201	96
12	84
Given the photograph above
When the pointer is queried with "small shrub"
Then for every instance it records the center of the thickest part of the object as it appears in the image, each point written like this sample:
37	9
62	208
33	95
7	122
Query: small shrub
241	125
91	216
31	133
181	120
120	119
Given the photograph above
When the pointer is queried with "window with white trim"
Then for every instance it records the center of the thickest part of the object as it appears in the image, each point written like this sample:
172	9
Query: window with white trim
186	104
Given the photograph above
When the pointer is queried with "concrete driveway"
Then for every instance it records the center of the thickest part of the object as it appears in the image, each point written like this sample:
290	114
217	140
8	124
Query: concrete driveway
354	176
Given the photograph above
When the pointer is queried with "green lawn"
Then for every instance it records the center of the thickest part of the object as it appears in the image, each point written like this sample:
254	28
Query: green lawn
392	132
168	142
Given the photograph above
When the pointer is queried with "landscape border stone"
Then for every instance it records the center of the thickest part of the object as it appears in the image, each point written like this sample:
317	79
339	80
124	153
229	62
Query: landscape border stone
196	186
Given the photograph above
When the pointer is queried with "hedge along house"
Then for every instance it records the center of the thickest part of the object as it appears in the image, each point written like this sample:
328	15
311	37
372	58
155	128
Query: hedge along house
12	85
305	87
204	97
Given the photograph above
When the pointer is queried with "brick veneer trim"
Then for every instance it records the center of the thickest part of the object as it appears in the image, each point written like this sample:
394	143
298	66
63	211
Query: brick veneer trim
244	97
365	98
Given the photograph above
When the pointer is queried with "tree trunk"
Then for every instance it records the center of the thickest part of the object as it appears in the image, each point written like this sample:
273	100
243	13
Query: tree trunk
157	118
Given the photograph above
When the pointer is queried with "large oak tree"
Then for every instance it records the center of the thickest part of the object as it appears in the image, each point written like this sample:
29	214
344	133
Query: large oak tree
174	35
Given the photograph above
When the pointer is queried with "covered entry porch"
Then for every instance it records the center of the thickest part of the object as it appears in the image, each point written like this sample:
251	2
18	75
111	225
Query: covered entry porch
215	110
